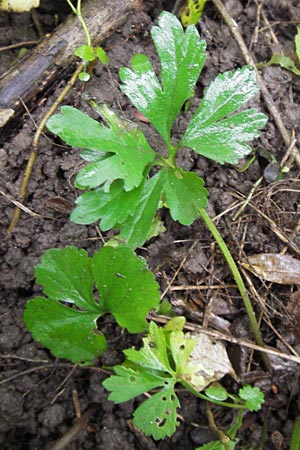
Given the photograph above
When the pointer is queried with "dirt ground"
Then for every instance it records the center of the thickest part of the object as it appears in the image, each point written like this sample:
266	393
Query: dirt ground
36	390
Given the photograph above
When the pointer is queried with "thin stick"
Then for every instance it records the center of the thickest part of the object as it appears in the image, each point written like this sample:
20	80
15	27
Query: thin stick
234	29
238	279
226	337
35	144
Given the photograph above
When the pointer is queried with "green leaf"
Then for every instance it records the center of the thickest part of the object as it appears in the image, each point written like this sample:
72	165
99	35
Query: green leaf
182	55
102	55
137	228
192	12
185	194
157	415
68	276
130	382
216	392
181	348
217	445
113	207
285	62
213	131
154	354
84	76
253	396
128	289
67	332
297	44
85	52
128	150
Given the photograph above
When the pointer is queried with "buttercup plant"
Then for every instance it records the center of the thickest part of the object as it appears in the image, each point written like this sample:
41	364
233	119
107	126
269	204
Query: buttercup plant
124	192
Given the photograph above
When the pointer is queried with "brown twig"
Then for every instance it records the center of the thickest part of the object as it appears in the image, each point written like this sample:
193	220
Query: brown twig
75	430
35	144
226	337
234	29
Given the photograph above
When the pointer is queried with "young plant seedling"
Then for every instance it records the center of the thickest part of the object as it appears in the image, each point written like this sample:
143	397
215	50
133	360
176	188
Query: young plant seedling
87	52
285	61
167	358
65	320
123	191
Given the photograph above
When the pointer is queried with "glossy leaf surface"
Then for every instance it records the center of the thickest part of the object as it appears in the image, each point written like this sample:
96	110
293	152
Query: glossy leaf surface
182	55
214	131
128	152
69	276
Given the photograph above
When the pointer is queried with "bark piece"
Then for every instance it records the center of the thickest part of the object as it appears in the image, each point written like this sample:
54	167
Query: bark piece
35	72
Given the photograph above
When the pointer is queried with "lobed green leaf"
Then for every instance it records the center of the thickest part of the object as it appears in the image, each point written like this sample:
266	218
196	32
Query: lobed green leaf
213	131
67	332
157	416
128	152
113	207
182	56
131	382
128	289
184	195
68	276
253	397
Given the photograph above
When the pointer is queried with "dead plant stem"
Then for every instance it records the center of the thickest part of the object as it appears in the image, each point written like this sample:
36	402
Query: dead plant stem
35	145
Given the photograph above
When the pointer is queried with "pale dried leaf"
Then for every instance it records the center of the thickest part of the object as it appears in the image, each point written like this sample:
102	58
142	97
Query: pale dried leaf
18	5
282	269
208	362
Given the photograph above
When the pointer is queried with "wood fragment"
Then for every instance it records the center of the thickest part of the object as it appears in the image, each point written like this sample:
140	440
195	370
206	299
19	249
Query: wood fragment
274	267
54	55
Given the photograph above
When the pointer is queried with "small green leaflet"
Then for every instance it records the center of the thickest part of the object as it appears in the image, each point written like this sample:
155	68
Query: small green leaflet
149	368
157	416
85	52
253	397
89	54
213	131
191	12
128	152
285	61
217	445
182	56
68	276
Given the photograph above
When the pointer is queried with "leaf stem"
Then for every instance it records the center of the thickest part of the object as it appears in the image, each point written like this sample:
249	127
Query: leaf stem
295	438
77	12
211	400
239	281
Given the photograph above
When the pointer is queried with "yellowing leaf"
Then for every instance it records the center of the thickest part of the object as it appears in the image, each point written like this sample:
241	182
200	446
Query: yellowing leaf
282	269
191	12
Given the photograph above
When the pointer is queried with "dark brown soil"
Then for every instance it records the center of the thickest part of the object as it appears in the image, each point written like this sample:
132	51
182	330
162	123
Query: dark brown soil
36	391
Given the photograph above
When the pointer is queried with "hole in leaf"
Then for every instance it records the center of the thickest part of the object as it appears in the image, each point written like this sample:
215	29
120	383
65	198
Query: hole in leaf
166	383
172	398
162	423
164	398
182	347
152	344
168	412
